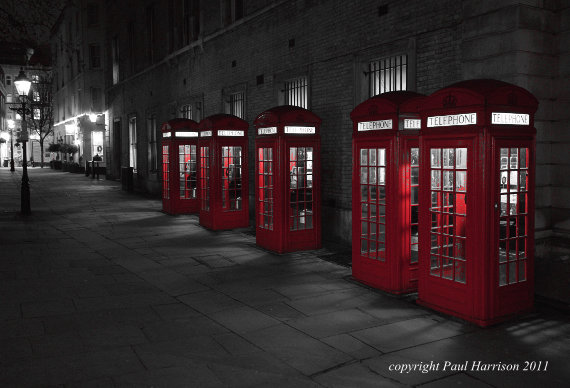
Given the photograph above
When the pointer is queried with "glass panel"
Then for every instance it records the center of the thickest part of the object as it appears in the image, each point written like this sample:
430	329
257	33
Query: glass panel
165	173
502	274
205	178
363	157
265	188
461	158
448	248
436	157
373	199
461	180
512	226
231	178
300	187
448	157
436	179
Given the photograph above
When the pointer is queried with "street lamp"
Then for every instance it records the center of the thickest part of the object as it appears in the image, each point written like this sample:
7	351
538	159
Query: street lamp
11	126
23	87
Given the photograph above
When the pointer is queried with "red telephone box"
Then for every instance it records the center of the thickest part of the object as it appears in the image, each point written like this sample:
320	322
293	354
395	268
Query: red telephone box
287	184
385	185
477	203
179	178
222	173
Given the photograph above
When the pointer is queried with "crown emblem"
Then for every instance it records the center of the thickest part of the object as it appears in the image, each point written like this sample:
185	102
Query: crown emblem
449	101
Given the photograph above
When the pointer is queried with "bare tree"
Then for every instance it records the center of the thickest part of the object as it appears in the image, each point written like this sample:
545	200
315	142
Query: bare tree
41	108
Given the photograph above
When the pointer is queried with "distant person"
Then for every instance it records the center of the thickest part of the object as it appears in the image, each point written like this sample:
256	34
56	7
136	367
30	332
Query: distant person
97	158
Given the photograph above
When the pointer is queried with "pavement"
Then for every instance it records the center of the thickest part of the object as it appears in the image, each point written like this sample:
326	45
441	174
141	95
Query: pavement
99	288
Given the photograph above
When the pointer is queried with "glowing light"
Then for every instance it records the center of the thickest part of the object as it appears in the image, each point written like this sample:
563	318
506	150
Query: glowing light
412	123
267	131
374	125
93	117
300	130
503	118
205	133
452	120
186	134
230	133
166	134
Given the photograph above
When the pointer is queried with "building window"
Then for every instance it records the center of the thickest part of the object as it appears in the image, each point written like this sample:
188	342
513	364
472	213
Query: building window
236	104
296	92
94	56
186	112
152	144
8	80
37	114
191	20
133	142
232	11
96	99
92	14
387	75
115	57
35	96
9	98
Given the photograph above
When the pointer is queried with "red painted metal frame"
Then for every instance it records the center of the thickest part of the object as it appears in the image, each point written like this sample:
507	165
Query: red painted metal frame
480	300
218	218
174	204
396	274
281	238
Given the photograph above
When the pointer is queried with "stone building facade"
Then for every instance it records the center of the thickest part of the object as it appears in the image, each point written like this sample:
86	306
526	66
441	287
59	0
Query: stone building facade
173	58
77	44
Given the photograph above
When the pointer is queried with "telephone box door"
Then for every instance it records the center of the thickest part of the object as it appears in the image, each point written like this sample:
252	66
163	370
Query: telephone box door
267	205
514	223
447	248
372	192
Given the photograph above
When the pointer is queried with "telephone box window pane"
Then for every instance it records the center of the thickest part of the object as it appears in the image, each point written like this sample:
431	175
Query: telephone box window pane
373	202
187	168
513	182
265	187
436	157
301	188
231	178
165	173
205	177
448	213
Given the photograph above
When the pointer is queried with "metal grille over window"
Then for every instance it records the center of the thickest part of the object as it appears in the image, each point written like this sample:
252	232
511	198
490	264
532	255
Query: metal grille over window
373	203
265	187
237	106
448	171
414	190
301	188
513	238
165	173
205	177
387	75
231	178
187	168
297	92
186	112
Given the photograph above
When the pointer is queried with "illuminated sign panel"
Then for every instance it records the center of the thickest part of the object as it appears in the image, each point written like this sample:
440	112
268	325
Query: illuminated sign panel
503	118
230	133
452	120
300	130
205	133
186	134
412	124
267	131
374	125
166	134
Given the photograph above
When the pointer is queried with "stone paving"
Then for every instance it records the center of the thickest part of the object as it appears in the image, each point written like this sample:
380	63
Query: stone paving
99	288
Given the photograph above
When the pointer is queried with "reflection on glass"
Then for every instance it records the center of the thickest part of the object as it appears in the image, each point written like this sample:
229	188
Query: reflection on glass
461	158
435	157
448	157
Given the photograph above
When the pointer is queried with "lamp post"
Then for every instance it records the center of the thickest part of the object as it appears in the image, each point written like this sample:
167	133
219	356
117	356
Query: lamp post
11	126
23	87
